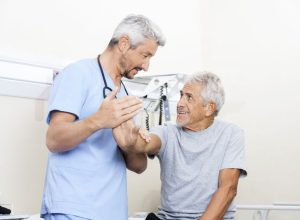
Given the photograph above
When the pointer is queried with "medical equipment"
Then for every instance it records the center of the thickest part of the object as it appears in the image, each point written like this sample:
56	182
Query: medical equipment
160	94
106	88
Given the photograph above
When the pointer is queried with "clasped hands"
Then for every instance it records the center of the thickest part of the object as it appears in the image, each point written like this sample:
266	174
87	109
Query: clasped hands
127	135
118	114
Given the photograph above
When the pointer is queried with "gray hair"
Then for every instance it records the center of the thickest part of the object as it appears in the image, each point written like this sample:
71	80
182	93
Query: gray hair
211	88
138	28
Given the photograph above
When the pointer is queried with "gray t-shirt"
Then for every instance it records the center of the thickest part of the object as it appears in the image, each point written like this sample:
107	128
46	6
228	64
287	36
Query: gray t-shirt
190	165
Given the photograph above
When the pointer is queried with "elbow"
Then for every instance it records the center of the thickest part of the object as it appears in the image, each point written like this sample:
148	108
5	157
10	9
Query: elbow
55	147
138	165
50	142
55	144
141	169
51	145
138	171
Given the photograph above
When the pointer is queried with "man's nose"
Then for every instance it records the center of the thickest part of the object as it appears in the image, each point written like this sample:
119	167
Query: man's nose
181	102
145	65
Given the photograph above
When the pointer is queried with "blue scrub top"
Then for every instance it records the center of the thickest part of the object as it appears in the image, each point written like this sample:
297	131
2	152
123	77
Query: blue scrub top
88	181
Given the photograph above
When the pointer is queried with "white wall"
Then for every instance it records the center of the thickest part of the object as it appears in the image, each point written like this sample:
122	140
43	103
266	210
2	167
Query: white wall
58	31
252	45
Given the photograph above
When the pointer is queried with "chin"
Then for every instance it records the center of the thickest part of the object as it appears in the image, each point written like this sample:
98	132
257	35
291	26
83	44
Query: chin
181	123
129	77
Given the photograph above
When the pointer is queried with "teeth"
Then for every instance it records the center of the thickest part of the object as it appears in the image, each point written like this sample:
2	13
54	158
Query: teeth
183	112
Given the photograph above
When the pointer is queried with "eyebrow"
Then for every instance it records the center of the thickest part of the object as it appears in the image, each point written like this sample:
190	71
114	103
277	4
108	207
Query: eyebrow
148	54
186	93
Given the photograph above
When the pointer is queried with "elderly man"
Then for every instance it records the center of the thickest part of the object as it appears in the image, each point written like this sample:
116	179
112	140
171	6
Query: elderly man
201	158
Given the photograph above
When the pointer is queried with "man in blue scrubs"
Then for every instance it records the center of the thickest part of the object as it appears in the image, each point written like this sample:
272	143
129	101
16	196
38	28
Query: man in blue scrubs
86	172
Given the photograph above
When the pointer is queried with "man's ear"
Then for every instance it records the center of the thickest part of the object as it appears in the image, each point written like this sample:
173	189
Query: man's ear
210	108
124	43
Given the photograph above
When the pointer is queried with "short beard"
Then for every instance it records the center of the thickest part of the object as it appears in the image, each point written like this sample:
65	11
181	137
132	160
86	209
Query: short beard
126	75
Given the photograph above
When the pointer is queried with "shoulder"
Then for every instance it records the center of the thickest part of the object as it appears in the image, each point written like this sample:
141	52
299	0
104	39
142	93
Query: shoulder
228	126
79	70
165	131
169	127
80	65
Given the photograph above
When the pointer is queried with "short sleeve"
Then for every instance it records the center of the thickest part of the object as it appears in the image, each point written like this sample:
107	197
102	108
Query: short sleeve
68	91
162	133
235	152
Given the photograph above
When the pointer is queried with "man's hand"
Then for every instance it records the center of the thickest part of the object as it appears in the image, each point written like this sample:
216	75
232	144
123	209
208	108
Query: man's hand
126	134
113	112
144	134
131	138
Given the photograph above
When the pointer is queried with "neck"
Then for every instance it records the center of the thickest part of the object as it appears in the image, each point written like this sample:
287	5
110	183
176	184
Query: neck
109	64
202	125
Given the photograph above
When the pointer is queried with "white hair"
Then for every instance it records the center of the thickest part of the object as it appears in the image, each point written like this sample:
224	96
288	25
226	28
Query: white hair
138	28
211	88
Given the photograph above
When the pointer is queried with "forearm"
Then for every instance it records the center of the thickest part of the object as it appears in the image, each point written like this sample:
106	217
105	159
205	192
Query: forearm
141	146
65	136
136	162
219	203
129	140
132	139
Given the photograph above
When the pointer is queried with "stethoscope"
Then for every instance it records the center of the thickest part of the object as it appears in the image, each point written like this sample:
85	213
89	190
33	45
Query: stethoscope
106	88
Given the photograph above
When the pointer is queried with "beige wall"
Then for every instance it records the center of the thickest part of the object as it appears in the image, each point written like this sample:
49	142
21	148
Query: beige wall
253	45
23	153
